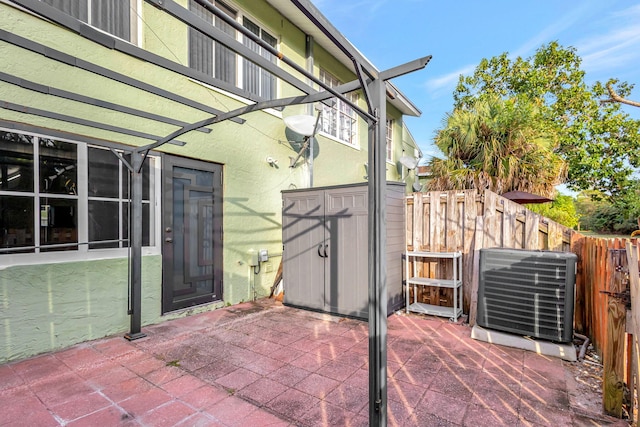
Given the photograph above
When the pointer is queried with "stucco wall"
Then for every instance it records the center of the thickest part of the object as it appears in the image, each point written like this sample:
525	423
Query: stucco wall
52	306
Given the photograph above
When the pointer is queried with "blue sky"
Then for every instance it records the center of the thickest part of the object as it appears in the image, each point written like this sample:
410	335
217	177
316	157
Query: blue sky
459	34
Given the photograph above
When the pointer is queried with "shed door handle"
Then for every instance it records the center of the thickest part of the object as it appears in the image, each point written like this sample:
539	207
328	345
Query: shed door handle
319	249
325	251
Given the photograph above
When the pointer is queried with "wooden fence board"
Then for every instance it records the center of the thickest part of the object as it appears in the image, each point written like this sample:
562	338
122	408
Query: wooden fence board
554	234
475	256
491	238
634	328
410	215
531	230
452	229
613	361
470	215
508	225
434	220
579	310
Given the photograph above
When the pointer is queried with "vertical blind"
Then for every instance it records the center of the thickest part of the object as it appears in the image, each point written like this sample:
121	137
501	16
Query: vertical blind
213	59
207	55
112	16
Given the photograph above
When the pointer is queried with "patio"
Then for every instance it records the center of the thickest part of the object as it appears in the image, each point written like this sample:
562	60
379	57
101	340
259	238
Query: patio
264	364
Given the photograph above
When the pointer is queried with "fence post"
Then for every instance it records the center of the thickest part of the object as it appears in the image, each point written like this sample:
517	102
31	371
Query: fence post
634	284
613	383
577	245
477	245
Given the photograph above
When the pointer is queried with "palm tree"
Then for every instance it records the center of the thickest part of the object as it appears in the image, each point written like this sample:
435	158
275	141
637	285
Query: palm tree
500	145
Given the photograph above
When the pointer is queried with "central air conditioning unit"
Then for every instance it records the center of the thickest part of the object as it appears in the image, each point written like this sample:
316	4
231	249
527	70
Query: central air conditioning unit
527	292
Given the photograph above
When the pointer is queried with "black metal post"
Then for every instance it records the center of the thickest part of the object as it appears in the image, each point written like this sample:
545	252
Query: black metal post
377	259
135	232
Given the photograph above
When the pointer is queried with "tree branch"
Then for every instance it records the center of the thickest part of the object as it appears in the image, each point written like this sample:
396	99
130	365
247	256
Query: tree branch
617	98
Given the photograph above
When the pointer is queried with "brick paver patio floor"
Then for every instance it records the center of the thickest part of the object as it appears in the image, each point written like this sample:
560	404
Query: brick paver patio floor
264	364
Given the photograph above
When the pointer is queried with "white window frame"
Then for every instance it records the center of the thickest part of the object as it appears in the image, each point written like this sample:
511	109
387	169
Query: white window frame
343	113
239	17
135	28
389	139
83	253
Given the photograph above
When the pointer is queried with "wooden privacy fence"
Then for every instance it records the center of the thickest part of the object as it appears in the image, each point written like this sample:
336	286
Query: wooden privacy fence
467	221
607	289
607	281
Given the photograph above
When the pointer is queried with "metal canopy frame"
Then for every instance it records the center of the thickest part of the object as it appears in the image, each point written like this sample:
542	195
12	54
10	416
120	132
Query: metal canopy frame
372	82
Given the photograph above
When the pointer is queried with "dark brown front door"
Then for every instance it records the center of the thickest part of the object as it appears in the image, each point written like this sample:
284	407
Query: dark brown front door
192	233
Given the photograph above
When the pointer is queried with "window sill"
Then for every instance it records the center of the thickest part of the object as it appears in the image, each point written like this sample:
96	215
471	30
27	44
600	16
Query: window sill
13	260
334	139
245	101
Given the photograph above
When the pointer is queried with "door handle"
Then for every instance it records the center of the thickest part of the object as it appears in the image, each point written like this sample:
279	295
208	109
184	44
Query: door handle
319	249
168	240
325	251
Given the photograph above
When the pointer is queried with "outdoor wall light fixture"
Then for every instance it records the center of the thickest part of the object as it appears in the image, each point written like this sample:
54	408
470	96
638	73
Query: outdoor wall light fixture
272	162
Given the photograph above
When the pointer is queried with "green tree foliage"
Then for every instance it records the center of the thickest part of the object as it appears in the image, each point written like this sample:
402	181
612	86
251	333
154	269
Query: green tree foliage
599	142
562	210
502	145
605	215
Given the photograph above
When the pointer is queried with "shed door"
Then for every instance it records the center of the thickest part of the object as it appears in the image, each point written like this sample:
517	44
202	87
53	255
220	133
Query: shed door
192	233
346	287
303	237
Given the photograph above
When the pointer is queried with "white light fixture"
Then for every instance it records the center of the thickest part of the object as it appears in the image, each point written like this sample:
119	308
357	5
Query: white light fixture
303	124
272	161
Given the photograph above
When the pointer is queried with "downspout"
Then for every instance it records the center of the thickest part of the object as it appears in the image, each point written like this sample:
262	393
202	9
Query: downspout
309	66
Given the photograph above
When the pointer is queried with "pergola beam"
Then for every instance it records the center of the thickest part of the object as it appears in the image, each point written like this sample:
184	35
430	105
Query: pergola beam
193	21
73	61
310	11
61	93
220	14
406	68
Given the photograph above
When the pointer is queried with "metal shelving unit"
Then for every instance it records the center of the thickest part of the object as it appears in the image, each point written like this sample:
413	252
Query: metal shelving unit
455	283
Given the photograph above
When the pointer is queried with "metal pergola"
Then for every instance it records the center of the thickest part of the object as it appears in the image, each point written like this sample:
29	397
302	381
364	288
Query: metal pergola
373	85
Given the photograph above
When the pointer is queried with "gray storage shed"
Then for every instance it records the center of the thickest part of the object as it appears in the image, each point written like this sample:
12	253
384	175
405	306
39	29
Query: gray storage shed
325	260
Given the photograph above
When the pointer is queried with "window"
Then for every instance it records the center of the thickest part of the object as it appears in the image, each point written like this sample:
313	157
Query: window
257	80
389	137
108	206
339	120
209	56
111	16
48	188
214	59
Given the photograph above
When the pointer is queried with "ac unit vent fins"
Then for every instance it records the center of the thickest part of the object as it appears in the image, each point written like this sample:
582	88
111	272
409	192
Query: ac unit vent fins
527	292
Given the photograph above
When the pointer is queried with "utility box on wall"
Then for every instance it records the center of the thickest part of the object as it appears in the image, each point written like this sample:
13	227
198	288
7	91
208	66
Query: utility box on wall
325	238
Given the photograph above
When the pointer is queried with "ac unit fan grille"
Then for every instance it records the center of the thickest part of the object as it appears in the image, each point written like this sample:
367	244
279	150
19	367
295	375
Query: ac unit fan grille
527	292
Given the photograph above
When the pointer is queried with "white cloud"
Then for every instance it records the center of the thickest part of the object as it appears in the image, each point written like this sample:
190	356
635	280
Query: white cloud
616	48
552	31
447	82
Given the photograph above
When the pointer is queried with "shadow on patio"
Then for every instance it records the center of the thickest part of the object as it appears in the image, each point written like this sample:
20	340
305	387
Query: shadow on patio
264	364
